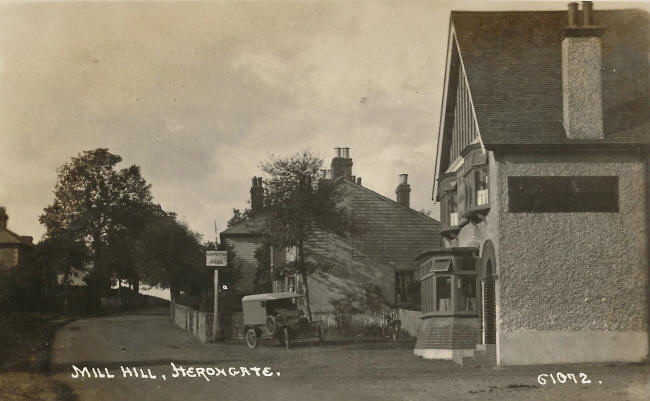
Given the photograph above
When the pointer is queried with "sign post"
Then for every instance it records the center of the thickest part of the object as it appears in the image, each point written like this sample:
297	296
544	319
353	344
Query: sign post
216	259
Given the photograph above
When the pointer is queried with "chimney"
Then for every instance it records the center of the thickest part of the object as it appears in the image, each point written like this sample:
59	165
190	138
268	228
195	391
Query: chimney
403	190
342	164
3	218
581	75
257	195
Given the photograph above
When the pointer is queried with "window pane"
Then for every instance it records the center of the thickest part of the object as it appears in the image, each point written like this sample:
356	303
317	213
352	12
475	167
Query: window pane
481	183
427	294
443	293
453	214
466	293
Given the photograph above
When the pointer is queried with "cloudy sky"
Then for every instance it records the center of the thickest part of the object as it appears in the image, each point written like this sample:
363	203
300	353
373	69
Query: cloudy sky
198	94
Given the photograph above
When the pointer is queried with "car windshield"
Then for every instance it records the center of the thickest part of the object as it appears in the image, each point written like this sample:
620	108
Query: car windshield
287	303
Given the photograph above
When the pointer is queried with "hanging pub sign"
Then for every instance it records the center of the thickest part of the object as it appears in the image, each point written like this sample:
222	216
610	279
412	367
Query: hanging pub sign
216	258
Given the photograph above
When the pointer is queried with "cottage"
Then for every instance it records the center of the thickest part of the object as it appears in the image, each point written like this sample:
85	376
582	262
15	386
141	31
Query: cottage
14	248
244	238
542	177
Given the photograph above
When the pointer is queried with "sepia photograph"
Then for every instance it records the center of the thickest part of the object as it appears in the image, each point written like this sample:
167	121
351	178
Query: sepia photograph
324	200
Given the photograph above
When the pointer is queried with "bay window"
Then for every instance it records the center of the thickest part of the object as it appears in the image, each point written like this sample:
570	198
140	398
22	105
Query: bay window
449	282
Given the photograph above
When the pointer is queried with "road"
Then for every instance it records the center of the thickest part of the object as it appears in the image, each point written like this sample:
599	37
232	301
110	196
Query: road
148	341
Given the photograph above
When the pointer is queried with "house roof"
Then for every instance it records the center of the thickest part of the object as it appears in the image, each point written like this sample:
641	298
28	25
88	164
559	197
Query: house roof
248	227
388	231
9	237
513	67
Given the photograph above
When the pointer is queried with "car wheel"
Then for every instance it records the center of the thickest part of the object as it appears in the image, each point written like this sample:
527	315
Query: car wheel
285	336
251	338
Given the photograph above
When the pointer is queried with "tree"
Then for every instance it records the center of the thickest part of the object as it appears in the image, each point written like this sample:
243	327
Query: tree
296	204
238	216
169	254
89	196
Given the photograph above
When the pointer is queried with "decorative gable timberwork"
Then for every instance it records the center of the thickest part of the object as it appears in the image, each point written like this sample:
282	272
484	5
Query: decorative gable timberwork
458	125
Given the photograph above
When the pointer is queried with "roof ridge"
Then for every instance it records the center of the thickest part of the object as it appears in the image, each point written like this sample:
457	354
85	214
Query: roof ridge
390	200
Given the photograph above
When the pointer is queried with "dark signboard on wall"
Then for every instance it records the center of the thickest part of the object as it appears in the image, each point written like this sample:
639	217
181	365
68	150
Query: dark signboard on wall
548	194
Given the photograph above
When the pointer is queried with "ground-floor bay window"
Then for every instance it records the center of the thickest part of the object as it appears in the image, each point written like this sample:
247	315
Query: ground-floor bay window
449	282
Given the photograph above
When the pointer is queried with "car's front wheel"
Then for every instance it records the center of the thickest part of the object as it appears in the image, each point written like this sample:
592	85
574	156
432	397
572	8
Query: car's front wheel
251	338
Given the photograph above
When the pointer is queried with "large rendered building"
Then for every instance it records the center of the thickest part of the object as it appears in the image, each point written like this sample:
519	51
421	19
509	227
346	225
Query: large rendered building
542	176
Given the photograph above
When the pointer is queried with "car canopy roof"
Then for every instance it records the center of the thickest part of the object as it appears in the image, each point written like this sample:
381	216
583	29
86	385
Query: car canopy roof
271	296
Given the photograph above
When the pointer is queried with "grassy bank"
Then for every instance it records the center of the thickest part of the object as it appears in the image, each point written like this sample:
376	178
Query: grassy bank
25	340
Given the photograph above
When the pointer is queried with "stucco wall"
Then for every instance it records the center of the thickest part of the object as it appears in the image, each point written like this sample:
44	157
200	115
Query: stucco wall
574	271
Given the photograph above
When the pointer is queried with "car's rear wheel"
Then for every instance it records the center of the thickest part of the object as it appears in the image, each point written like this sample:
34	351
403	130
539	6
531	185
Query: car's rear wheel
251	338
285	337
271	325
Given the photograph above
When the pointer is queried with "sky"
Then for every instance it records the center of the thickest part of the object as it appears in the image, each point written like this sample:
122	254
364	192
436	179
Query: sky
199	93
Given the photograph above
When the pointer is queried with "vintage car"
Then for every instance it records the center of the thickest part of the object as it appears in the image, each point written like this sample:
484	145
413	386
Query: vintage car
277	315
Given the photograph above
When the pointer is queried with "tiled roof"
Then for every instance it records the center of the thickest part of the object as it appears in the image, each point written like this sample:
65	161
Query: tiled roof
389	232
252	226
514	70
9	237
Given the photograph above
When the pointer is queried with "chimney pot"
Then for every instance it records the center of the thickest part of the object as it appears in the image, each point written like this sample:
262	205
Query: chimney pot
403	191
257	195
342	164
587	13
3	217
337	152
573	14
358	180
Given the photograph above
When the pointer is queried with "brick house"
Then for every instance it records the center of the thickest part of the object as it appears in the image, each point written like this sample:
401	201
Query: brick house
380	253
542	177
13	248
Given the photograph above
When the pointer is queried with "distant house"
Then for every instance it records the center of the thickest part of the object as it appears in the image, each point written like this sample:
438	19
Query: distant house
14	248
244	238
542	178
378	257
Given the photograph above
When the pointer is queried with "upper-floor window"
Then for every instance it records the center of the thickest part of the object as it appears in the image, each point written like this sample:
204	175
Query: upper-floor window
481	182
452	215
476	185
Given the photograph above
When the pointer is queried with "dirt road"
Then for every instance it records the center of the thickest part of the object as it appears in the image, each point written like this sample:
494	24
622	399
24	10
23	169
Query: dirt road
148	343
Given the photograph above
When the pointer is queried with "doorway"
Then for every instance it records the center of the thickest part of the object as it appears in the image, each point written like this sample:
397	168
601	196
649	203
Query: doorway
489	315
